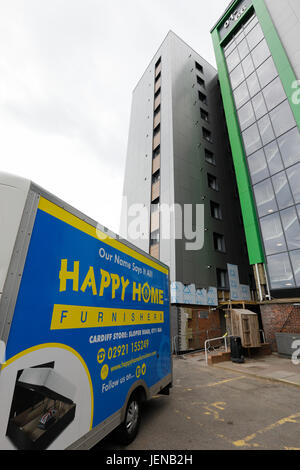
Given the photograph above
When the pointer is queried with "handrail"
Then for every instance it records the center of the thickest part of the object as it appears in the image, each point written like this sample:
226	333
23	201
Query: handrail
195	334
215	339
263	335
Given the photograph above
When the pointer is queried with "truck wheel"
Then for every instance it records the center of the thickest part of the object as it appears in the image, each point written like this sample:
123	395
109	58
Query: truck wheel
128	430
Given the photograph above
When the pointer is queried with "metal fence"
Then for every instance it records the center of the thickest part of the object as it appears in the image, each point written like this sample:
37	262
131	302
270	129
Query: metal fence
195	341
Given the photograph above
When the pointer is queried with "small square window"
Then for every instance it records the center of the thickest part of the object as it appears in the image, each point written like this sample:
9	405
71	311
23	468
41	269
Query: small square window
154	238
156	130
219	242
155	205
158	62
204	115
212	182
156	177
202	97
199	67
215	210
157	77
156	152
207	135
200	81
222	279
209	157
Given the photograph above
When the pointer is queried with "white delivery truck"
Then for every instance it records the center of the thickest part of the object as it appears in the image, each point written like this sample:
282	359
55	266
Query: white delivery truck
84	323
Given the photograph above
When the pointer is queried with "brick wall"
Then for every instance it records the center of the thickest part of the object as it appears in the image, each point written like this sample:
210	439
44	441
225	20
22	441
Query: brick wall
197	325
279	318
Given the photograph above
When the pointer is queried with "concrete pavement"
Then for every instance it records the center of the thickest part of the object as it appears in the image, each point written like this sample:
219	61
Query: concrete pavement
225	406
272	367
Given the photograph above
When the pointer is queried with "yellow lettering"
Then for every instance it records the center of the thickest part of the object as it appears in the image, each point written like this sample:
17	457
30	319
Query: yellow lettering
154	295
105	281
146	292
136	290
65	275
161	297
89	281
124	285
115	284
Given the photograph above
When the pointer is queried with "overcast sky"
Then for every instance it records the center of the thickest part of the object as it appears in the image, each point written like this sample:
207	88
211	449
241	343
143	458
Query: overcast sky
67	72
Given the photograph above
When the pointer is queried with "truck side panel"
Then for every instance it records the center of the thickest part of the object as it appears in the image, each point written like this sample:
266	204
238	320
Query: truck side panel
94	310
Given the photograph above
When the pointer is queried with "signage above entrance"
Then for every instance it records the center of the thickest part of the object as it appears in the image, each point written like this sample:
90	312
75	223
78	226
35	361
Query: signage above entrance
235	16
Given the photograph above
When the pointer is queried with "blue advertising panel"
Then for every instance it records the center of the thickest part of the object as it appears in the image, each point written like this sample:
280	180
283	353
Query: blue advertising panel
98	299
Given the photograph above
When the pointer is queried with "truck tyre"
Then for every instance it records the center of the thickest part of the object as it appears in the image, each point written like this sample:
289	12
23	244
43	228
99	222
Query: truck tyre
128	430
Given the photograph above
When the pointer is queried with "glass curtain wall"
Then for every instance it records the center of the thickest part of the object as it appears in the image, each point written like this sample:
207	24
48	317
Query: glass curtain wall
272	147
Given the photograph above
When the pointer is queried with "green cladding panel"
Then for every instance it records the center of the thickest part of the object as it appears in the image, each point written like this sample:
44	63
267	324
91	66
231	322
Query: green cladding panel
287	75
242	175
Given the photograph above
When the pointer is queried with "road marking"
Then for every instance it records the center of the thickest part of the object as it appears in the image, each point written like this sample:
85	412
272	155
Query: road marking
213	384
244	442
212	409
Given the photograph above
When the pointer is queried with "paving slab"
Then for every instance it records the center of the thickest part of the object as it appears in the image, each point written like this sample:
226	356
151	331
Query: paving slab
273	367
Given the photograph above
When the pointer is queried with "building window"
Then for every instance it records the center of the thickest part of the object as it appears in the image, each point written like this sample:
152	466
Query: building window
209	157
154	238
215	210
200	81
222	279
155	205
157	93
157	111
219	242
202	97
207	135
199	67
156	177
156	130
204	115
156	152
212	182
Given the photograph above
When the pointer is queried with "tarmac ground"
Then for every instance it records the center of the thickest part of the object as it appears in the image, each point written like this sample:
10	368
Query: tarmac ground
227	406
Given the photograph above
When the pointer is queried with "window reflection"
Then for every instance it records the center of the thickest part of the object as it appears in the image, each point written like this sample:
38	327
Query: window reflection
295	259
265	198
273	158
273	234
280	271
291	226
272	147
282	190
290	147
258	167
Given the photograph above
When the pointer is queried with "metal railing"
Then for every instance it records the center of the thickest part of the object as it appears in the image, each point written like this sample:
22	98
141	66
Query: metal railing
204	343
190	342
208	341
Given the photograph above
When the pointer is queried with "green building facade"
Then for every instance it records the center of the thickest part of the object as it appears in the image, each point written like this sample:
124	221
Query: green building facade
260	93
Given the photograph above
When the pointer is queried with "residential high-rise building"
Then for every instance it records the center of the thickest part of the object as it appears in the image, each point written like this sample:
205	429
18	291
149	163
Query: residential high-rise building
258	59
179	157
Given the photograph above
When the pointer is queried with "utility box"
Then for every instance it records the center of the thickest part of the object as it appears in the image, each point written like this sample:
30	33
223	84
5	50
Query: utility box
244	323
